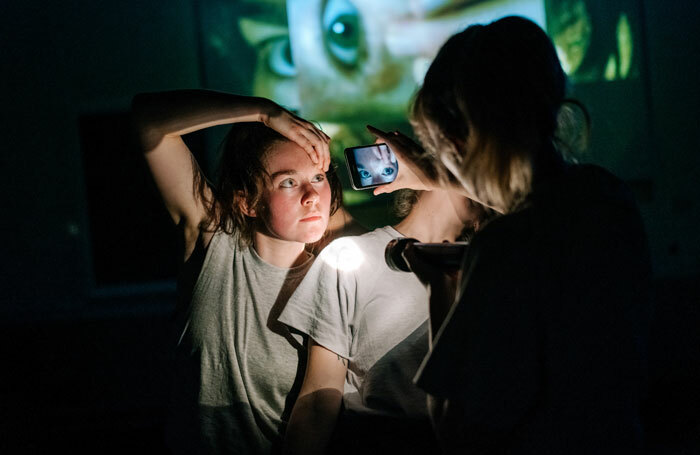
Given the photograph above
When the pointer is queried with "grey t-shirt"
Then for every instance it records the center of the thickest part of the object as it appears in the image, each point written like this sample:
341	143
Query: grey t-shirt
351	303
237	370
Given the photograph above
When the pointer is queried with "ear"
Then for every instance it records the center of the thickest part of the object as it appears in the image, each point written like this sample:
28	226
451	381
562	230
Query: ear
243	205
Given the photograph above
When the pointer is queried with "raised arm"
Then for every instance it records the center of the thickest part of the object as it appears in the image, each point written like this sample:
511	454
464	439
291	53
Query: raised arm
316	410
162	118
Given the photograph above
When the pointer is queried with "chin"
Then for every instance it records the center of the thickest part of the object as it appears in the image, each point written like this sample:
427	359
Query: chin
308	236
313	238
313	235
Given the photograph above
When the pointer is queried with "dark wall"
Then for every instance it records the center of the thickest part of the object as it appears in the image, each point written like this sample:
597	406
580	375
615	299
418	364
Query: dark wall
673	58
60	62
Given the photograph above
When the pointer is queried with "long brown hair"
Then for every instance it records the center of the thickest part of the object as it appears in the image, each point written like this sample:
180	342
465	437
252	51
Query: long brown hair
241	180
489	106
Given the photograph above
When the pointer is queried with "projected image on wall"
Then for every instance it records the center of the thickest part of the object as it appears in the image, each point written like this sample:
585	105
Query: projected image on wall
347	63
594	39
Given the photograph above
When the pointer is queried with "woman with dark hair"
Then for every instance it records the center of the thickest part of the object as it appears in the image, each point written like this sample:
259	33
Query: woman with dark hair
244	250
544	348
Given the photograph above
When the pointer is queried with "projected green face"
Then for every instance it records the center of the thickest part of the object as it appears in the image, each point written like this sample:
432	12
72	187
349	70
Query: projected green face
594	41
363	59
358	60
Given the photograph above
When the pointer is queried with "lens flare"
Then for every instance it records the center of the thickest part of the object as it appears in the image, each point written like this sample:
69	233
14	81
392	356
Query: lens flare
343	254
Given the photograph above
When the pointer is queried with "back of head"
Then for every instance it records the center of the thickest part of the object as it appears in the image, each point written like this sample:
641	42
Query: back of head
489	105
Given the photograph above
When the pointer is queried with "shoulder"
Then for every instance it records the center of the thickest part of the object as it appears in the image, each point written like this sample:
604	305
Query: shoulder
349	253
588	184
504	231
221	244
602	201
582	197
342	254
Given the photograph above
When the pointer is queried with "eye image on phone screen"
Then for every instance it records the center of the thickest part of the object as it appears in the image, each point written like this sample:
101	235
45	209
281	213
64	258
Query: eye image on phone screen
371	165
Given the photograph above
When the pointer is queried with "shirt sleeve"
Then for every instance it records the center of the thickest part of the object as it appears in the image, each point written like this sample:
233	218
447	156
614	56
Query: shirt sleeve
322	306
485	354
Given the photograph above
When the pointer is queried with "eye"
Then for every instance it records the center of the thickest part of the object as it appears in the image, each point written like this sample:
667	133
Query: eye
318	178
387	171
364	174
279	57
287	183
341	30
270	38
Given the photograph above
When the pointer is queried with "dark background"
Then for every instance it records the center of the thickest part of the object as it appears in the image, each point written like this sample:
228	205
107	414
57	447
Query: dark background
84	346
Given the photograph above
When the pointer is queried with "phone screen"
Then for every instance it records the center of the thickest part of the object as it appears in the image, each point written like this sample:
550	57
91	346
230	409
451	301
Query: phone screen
371	165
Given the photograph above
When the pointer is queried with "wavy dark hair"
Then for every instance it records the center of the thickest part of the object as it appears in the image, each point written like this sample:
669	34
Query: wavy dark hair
241	179
489	106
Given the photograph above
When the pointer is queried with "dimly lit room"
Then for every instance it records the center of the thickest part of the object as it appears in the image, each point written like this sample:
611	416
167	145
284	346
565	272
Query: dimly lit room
93	271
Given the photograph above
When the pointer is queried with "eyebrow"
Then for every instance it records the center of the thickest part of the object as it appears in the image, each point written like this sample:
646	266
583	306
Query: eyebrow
283	172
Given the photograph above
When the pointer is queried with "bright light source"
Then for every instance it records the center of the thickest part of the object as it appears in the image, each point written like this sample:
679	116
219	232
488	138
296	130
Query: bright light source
343	254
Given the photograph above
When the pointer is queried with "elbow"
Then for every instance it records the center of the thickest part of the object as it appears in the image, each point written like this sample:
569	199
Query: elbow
144	122
312	422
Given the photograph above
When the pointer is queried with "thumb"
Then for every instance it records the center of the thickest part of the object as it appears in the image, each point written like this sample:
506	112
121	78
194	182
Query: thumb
388	188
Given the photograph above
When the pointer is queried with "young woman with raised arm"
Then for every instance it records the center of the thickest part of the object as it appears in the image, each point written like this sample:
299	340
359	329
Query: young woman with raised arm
244	249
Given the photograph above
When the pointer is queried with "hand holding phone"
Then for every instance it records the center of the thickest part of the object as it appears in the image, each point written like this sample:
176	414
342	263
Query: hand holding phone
371	165
413	175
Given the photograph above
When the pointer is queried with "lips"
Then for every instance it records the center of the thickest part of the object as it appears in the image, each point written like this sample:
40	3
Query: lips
311	218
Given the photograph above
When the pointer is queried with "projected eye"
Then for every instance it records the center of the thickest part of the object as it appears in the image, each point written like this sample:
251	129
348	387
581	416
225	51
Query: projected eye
341	25
279	58
387	171
364	174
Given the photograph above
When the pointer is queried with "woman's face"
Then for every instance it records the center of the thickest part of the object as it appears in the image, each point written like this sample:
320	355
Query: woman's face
376	165
298	197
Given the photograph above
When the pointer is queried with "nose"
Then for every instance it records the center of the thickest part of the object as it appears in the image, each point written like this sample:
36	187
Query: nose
310	196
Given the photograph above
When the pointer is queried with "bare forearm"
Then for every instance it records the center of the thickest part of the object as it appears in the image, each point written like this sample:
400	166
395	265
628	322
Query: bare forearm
312	422
179	112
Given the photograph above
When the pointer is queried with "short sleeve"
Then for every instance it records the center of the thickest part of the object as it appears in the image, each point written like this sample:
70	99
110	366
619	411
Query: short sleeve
323	305
485	354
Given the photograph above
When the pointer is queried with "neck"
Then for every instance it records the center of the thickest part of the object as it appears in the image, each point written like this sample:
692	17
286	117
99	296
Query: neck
433	218
278	252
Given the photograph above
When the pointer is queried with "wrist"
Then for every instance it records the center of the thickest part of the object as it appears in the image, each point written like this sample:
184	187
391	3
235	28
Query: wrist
266	109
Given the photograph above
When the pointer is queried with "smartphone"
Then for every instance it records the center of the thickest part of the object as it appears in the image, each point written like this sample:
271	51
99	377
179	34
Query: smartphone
371	165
